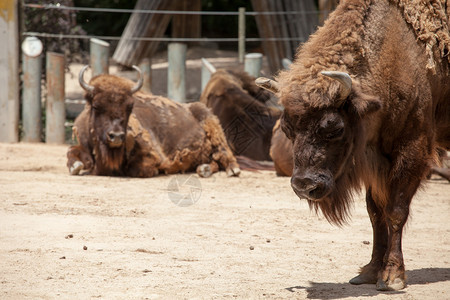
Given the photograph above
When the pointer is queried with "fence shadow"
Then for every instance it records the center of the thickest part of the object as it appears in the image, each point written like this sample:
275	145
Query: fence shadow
328	290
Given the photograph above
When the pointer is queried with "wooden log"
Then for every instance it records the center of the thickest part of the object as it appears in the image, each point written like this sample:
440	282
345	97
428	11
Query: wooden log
265	29
187	26
297	27
283	24
128	51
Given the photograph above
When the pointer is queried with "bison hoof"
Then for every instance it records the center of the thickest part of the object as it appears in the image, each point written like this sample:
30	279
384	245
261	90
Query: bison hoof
204	170
76	168
233	172
395	285
363	279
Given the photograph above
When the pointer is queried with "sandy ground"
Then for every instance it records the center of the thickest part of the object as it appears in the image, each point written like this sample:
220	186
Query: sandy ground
249	237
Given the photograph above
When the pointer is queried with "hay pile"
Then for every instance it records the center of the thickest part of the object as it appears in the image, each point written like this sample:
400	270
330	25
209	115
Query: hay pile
430	20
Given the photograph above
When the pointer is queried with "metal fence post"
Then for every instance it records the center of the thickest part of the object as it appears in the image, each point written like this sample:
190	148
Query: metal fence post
55	110
176	85
99	53
146	68
207	70
241	30
253	63
9	70
31	94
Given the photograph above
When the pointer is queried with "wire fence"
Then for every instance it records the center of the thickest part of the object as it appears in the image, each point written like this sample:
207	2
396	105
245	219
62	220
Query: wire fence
168	12
150	39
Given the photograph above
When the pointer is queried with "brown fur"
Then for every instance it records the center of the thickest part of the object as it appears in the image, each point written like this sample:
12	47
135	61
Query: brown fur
240	106
160	135
431	24
281	152
385	134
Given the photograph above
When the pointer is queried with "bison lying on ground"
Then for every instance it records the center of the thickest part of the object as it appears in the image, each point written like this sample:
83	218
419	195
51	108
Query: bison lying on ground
125	132
240	106
367	101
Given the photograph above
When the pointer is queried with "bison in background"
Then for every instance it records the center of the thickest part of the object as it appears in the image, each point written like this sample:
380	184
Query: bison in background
125	132
367	102
241	108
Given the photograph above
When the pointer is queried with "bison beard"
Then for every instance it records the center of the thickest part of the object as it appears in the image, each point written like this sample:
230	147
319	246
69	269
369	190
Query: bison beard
109	161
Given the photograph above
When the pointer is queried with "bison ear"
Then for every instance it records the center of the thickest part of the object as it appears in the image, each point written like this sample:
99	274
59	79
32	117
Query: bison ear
89	97
364	104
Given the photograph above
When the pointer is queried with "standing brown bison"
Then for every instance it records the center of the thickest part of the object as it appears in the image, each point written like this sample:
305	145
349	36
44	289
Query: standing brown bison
125	132
367	102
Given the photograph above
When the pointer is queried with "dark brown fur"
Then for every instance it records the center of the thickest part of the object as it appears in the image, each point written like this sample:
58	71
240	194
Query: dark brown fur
161	136
384	135
240	106
281	152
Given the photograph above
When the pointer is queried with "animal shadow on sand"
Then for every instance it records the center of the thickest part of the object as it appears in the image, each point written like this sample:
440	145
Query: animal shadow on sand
327	290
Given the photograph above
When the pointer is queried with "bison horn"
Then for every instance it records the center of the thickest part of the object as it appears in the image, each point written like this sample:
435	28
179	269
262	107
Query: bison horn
268	84
344	79
138	85
84	85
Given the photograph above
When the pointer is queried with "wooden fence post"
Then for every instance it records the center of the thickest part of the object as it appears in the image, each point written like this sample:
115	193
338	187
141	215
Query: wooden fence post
241	32
99	53
176	81
9	66
31	93
207	70
55	110
253	64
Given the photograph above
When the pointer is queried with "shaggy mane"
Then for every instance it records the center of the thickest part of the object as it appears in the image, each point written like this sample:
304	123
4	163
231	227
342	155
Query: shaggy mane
109	160
431	25
338	46
335	46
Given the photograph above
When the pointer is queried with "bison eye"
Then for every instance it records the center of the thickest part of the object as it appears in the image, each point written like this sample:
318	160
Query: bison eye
335	133
331	129
331	133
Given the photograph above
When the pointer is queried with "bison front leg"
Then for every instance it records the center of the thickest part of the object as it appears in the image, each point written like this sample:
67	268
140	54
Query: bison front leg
402	188
392	276
78	159
369	273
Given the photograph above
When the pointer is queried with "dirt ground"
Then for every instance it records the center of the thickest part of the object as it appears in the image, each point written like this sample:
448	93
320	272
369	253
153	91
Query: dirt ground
79	237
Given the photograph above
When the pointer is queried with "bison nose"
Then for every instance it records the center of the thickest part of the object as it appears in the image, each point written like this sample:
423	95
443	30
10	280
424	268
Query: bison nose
116	138
310	187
